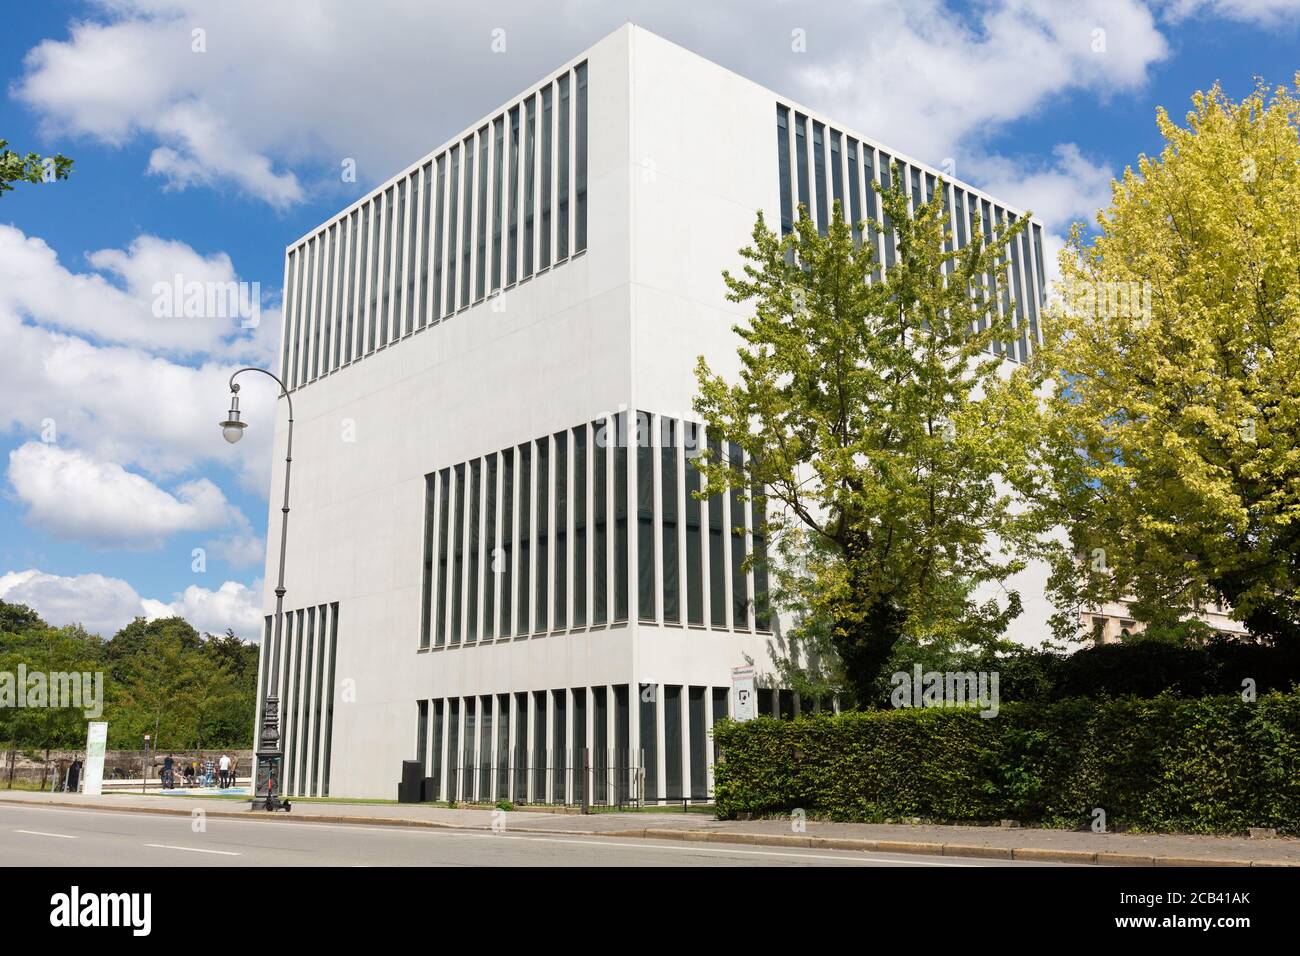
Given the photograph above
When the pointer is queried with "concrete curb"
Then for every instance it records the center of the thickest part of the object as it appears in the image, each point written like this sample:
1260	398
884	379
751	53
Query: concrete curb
966	850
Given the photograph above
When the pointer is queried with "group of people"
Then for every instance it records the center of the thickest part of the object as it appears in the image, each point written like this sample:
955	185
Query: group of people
220	773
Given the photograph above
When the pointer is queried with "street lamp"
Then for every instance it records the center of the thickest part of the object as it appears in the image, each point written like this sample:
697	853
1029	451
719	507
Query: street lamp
268	755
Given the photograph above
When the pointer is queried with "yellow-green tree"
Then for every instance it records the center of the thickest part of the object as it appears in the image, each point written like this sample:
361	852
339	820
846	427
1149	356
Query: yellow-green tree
1174	426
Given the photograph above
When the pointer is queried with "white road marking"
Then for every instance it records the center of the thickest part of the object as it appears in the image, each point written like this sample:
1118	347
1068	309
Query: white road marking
191	849
60	836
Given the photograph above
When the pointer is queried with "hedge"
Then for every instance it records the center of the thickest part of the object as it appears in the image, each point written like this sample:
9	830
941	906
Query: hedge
1205	765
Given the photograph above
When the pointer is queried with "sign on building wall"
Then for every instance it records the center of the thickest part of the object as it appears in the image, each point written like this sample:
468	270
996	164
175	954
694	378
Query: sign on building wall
744	694
96	742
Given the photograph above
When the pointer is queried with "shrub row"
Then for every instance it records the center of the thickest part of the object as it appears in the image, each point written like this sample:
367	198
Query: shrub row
1207	765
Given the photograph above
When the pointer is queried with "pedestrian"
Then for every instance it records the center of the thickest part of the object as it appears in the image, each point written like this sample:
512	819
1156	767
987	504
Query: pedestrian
168	780
223	765
234	764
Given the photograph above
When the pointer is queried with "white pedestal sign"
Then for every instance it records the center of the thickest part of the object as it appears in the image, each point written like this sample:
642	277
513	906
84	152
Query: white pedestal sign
744	694
96	742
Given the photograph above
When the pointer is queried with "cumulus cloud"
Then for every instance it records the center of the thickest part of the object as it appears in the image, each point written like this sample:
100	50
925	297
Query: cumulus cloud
924	77
104	605
131	297
1266	12
73	495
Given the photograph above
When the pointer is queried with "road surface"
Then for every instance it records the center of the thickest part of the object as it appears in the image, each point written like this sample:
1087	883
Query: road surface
51	836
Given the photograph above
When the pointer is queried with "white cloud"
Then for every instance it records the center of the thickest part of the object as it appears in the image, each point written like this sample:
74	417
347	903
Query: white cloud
120	301
104	605
73	495
1264	12
300	86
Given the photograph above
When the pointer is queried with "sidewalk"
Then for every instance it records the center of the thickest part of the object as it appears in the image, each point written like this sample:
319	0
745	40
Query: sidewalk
1060	846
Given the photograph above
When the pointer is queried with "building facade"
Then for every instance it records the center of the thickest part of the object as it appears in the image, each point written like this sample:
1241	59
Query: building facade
497	565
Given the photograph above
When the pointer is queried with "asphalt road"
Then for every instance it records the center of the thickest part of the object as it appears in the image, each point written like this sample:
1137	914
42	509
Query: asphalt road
49	836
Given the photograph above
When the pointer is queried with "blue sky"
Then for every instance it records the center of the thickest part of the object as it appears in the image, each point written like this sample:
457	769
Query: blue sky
206	162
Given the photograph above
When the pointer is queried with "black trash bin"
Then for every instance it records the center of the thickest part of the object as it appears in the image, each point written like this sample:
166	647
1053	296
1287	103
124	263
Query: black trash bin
408	790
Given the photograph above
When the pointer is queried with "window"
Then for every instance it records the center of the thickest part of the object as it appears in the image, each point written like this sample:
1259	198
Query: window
439	729
309	313
331	334
422	735
436	310
758	524
480	266
521	747
290	305
717	569
458	557
580	188
739	583
543	530
560	751
855	196
467	238
645	518
525	509
490	530
548	143
801	162
484	747
413	256
580	526
562	213
886	183
398	260
650	739
507	537
386	277
668	501
620	517
425	252
694	530
695	704
530	178
452	209
375	278
541	755
672	742
453	750
819	172
444	501
783	167
430	509
600	522
560	619
837	174
498	196
471	601
512	240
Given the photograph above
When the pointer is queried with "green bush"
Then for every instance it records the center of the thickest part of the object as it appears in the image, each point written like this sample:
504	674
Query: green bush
1205	765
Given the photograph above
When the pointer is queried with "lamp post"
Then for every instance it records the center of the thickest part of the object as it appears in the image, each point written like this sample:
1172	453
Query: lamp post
266	764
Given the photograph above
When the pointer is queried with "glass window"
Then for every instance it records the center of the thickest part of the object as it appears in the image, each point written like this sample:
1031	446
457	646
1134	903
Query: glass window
439	729
498	196
391	271
620	517
458	557
467	760
485	747
453	750
295	320
717	567
1021	344
412	237
543	530
855	196
490	551
331	330
649	696
694	532
507	538
503	747
480	266
430	516
837	173
436	311
444	512
286	347
422	735
467	238
561	760
398	261
887	184
739	582
530	180
819	173
422	301
801	161
542	756
512	240
376	235
699	770
668	499
525	554
471	600
783	167
580	526
645	518
453	204
547	145
580	147
309	313
672	742
562	174
579	745
521	747
758	524
600	522
329	700
560	620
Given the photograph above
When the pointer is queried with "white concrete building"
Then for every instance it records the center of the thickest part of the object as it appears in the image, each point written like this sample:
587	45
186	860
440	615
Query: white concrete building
478	579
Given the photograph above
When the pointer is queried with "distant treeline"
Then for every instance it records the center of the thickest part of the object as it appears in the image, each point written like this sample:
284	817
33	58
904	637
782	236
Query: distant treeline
162	678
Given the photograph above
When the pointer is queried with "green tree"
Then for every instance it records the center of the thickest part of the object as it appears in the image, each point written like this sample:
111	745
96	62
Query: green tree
32	168
874	417
16	618
1173	432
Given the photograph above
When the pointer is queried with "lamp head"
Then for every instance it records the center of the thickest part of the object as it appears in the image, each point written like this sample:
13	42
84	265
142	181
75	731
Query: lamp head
232	429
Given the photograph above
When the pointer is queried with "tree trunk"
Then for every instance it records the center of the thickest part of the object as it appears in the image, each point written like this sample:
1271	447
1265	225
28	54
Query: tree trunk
866	646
